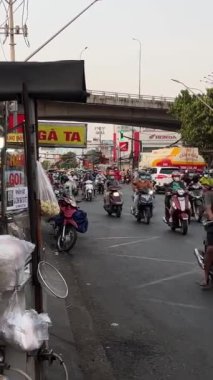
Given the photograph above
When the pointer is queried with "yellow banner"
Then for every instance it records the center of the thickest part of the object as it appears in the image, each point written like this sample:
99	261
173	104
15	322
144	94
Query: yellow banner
56	135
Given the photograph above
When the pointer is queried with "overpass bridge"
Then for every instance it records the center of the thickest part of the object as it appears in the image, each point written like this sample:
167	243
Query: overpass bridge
114	108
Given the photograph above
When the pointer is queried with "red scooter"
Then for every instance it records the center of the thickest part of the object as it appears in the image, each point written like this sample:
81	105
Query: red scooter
179	211
66	226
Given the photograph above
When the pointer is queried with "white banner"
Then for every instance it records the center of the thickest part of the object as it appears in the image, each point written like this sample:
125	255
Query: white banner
17	198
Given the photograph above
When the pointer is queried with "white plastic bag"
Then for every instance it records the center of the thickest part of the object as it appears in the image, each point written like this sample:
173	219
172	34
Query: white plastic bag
13	255
49	203
23	329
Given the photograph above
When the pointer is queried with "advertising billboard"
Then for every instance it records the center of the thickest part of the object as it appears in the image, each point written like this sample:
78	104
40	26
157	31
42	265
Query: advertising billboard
56	135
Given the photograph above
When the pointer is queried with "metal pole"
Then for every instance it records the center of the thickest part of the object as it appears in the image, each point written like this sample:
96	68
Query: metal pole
83	52
60	31
11	31
140	58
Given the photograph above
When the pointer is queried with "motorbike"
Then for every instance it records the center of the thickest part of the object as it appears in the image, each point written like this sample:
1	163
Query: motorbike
89	190
64	225
115	202
100	186
145	206
197	201
127	180
200	253
179	211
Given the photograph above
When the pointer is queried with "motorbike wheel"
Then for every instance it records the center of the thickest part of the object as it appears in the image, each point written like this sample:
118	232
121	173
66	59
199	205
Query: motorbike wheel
198	213
89	197
64	245
184	227
147	216
118	213
109	213
138	218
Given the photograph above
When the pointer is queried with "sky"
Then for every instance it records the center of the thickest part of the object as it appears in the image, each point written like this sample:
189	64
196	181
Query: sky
176	37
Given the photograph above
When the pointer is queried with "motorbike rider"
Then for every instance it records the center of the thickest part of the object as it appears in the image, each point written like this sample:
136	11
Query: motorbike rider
186	177
142	182
110	182
175	185
100	177
87	177
208	258
206	179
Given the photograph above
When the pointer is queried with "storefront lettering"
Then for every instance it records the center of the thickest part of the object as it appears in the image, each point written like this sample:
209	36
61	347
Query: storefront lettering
72	136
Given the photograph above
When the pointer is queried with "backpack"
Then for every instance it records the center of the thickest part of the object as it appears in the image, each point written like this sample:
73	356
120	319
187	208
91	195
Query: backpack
80	217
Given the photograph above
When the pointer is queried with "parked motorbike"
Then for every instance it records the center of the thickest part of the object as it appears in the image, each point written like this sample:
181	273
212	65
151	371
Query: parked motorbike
64	225
115	202
197	201
179	211
200	253
145	206
89	190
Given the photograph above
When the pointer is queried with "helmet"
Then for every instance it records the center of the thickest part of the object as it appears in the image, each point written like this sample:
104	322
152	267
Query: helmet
176	176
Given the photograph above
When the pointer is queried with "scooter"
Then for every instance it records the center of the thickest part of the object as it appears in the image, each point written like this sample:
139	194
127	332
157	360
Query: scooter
197	201
179	211
115	202
89	190
64	225
145	206
200	253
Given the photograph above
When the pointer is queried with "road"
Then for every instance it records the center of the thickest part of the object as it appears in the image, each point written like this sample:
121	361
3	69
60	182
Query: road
135	307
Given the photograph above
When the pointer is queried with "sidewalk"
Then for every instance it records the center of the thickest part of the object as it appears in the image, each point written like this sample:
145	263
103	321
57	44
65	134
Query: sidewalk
61	336
62	342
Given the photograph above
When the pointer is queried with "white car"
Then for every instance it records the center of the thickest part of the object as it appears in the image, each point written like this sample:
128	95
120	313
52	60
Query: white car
162	176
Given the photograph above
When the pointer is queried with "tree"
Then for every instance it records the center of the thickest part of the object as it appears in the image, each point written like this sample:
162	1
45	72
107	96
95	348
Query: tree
196	121
93	156
67	161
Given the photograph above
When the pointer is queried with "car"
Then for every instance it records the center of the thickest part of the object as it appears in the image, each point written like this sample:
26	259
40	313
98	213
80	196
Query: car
162	176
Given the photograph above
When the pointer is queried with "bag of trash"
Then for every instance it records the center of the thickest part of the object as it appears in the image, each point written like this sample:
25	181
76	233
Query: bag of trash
23	329
13	255
47	197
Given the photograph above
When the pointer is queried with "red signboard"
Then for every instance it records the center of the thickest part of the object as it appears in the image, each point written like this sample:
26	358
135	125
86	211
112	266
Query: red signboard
124	145
20	120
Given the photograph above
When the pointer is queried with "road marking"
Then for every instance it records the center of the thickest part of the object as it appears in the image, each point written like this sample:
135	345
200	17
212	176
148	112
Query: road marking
134	242
184	305
176	276
118	237
154	259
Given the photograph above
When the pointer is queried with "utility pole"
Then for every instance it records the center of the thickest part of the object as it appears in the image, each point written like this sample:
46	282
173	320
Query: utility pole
11	32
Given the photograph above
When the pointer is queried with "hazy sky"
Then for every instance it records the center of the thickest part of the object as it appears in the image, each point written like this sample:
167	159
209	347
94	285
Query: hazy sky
176	38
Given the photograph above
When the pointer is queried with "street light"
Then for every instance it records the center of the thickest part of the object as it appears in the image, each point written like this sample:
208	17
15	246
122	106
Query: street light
140	53
86	47
191	90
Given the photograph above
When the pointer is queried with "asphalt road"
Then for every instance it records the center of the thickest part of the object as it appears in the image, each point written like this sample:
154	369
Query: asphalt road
135	307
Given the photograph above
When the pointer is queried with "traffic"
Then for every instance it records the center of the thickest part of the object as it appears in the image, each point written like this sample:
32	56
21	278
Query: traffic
188	197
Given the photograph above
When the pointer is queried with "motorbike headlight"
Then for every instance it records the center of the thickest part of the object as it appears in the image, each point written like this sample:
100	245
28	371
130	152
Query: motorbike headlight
116	194
151	192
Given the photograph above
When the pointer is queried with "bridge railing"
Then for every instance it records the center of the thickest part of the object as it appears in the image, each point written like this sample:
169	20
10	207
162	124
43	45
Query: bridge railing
120	95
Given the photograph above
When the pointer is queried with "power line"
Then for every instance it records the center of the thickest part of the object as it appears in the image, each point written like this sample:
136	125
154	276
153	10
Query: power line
7	17
2	49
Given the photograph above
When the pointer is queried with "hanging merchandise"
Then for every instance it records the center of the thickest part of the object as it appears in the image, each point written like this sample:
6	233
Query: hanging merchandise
49	203
13	255
23	329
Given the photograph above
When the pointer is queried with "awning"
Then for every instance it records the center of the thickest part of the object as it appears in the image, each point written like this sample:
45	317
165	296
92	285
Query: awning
60	80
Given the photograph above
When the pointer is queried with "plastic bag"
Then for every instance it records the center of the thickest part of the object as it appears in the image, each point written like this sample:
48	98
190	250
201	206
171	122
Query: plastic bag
23	329
13	255
48	200
80	217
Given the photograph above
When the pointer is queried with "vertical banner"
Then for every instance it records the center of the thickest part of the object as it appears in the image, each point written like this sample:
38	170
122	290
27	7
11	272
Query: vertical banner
136	146
114	147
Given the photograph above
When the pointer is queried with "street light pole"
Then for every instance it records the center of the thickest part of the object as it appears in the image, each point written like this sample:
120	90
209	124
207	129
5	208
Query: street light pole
83	50
60	31
194	93
140	56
